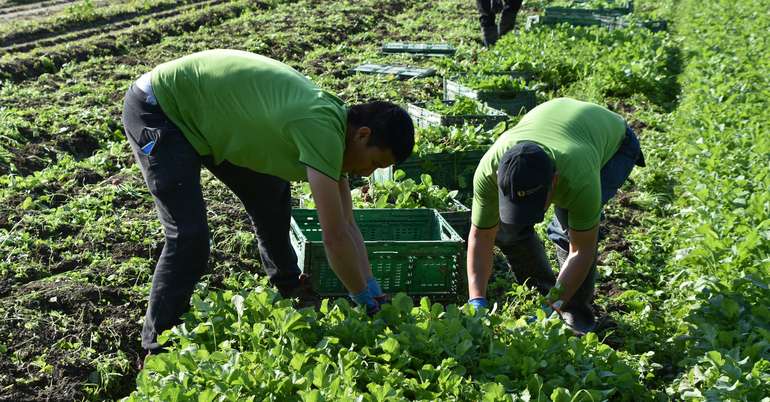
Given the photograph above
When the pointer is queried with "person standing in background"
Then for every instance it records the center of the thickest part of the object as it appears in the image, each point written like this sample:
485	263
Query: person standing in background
488	9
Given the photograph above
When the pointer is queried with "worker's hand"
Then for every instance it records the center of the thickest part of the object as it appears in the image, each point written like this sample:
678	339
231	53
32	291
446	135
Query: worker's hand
373	309
365	299
376	291
549	308
383	299
479	303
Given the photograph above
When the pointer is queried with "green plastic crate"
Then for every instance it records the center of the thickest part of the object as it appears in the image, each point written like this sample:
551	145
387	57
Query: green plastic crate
410	250
610	22
509	101
623	8
423	117
419	49
402	72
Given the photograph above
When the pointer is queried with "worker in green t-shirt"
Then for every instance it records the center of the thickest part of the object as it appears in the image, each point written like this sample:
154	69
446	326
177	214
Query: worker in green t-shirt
565	152
256	124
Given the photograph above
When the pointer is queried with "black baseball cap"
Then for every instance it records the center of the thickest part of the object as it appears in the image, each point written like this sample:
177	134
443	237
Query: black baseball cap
524	178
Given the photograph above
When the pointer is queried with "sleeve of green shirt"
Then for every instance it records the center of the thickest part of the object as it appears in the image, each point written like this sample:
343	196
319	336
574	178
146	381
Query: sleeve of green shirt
320	145
585	211
485	212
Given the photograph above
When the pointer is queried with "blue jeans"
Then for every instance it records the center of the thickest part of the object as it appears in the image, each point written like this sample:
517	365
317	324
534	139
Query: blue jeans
613	174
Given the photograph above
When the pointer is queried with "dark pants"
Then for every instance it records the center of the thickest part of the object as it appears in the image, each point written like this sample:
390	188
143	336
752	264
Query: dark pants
488	9
613	174
172	173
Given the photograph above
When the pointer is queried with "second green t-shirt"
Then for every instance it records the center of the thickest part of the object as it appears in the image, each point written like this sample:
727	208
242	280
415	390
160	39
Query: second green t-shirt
254	112
580	137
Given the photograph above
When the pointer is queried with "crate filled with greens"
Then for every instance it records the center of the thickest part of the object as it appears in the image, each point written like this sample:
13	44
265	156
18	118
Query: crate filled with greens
611	21
414	251
400	191
589	7
506	91
457	112
452	170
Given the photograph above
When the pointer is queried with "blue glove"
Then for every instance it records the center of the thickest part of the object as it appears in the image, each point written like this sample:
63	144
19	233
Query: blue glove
479	303
374	287
365	299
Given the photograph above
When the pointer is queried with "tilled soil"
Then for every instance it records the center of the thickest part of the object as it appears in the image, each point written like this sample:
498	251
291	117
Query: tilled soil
60	332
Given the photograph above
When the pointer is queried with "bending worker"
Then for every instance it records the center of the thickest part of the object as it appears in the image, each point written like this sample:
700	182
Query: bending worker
565	152
256	124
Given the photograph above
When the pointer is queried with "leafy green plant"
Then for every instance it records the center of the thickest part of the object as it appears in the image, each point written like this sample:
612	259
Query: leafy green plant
497	82
440	139
462	106
251	344
82	10
405	193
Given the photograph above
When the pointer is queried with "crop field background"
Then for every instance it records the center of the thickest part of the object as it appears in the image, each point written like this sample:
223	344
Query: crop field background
684	262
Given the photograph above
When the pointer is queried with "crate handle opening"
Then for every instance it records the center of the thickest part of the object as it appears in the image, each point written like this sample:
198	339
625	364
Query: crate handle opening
447	231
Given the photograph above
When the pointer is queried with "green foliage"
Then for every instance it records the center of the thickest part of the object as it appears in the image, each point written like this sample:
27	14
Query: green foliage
689	285
82	10
711	240
250	345
591	62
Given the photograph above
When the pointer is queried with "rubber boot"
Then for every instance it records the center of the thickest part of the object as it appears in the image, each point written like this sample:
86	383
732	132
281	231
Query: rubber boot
489	35
303	293
530	264
577	312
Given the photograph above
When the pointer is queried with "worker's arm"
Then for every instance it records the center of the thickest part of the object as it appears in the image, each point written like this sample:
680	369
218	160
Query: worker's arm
355	233
582	251
339	244
481	244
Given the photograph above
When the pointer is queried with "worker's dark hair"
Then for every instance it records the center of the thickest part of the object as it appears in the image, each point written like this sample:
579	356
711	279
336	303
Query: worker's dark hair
391	126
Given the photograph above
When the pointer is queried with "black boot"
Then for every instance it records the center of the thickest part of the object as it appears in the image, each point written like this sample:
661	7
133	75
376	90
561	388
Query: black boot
487	11
530	264
303	293
508	16
489	35
577	312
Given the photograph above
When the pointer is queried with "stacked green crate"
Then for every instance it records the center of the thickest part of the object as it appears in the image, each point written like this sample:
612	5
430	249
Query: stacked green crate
610	17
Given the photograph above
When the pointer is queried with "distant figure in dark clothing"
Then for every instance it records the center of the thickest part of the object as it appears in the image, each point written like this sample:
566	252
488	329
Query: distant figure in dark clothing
490	31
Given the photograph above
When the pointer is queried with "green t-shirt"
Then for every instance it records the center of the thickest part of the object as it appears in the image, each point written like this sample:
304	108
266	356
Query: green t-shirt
254	112
580	137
